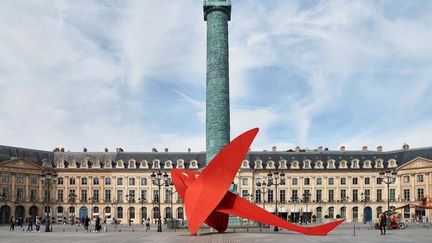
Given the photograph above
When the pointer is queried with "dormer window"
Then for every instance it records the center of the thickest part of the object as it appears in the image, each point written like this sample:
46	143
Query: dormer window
156	164
168	164
72	164
295	164
282	164
180	164
392	163
319	164
96	164
131	163
355	164
379	163
306	164
245	164
120	164
258	164
60	164
143	164
367	164
193	164
331	164
270	164
84	164
108	164
343	164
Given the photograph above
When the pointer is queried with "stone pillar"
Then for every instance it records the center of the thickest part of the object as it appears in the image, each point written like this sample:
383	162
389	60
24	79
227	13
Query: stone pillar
217	14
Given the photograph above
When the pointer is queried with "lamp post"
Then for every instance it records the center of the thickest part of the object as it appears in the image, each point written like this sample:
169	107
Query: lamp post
114	204
170	186
388	177
159	180
49	177
306	197
364	201
130	199
262	189
72	200
273	179
92	201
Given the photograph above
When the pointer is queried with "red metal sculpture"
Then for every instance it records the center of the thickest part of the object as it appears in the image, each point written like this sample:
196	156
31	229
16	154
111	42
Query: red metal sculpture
207	199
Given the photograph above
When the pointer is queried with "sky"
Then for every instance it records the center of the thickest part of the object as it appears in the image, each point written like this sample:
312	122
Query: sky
131	74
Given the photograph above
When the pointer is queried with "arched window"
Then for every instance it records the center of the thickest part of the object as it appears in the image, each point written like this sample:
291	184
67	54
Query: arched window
131	212
168	213
355	214
343	212
155	212
180	214
120	212
331	212
143	213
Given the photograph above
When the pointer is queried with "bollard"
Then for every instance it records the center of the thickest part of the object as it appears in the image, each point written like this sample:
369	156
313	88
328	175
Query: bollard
354	231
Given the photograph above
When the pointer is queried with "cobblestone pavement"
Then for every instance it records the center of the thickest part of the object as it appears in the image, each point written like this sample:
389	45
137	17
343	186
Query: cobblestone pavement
124	233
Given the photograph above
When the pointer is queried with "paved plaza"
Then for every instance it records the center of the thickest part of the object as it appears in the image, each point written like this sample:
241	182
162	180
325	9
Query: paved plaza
124	233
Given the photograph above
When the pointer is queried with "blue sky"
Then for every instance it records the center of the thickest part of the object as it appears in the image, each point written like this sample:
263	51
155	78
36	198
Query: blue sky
131	74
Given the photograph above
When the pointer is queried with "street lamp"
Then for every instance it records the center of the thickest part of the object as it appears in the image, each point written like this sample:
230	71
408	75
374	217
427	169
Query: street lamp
306	197
114	204
273	179
262	192
170	186
130	199
364	200
72	200
49	177
159	180
388	177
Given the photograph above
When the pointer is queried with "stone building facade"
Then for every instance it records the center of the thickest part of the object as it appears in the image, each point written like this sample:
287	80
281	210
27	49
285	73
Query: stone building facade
316	184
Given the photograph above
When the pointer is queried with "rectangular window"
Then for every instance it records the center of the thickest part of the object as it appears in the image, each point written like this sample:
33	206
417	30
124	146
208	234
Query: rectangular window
343	181
355	195
19	179
144	195
60	195
270	196
407	195
355	181
307	181
84	195
96	195
5	193
107	196
306	196
331	181
407	212
72	181
33	195
406	179
83	181
143	181
119	181
20	194
420	194
34	180
282	196
96	181
245	181
294	181
155	196
319	181
282	181
5	178
107	181
393	195
379	195
120	196
419	178
367	180
379	180
318	195
294	196
131	196
245	194
60	181
343	195
258	196
131	181
331	195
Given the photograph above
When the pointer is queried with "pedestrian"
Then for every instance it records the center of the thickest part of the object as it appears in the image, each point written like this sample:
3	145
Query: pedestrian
115	222
383	223
97	224
12	224
147	223
20	222
30	224
38	223
86	223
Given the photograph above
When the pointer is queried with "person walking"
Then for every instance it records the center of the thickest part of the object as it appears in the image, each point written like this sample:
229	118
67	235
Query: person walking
38	223
30	224
97	224
147	223
12	224
383	224
86	223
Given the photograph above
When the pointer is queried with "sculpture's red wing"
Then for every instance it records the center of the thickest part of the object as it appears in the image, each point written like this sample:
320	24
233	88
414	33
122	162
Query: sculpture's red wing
203	195
235	205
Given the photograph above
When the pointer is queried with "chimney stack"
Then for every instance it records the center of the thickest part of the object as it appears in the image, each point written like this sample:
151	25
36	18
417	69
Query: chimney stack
62	150
106	150
166	150
405	146
154	150
274	149
189	150
85	150
342	148
320	148
297	149
364	148
380	148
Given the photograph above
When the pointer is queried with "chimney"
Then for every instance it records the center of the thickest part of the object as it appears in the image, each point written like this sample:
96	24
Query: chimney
364	149
85	150
380	148
405	146
320	148
56	150
119	150
62	150
342	148
154	150
189	150
166	150
297	149
274	149
106	150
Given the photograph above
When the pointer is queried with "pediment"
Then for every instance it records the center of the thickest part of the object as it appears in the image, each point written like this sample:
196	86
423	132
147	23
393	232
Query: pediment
417	163
20	164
